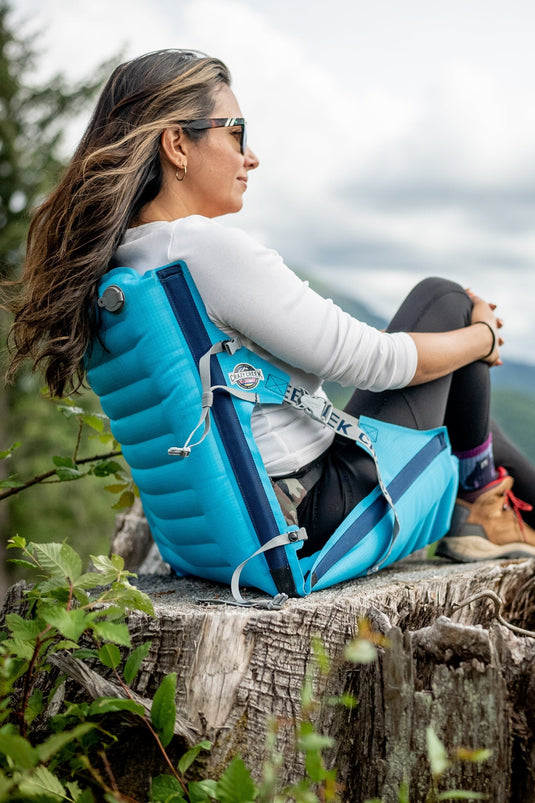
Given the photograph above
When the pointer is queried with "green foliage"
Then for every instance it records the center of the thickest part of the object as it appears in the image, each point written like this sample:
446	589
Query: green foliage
440	761
83	614
76	445
33	118
163	711
65	606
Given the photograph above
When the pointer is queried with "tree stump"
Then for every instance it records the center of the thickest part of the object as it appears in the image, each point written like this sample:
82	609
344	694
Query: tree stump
455	669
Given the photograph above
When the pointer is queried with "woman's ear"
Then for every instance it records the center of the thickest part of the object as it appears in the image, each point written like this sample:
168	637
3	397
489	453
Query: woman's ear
174	145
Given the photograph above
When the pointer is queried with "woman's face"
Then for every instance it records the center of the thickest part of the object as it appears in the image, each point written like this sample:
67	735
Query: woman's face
216	169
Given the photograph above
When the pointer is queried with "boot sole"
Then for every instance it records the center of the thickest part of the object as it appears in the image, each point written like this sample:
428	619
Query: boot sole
470	548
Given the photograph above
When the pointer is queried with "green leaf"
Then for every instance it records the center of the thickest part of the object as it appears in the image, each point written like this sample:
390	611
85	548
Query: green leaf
202	791
77	795
88	581
17	542
106	705
347	700
107	614
476	756
19	648
57	741
70	624
110	656
403	795
6	788
66	468
68	474
24	629
134	661
84	653
106	568
111	631
313	741
360	651
134	599
436	753
12	482
321	655
8	452
126	499
116	488
117	561
35	706
66	462
44	782
94	420
163	710
70	410
60	560
65	644
107	468
236	784
25	564
166	789
188	758
56	585
460	794
18	750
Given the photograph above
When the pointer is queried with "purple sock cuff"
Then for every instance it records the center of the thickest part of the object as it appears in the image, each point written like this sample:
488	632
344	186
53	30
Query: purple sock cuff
477	450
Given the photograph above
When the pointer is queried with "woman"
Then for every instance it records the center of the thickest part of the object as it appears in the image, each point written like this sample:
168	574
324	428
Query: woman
164	154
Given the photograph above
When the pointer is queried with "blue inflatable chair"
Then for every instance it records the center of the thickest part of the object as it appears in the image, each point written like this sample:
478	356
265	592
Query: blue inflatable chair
179	396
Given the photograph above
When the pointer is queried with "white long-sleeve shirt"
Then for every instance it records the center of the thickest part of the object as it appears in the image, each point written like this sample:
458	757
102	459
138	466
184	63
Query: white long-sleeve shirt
249	292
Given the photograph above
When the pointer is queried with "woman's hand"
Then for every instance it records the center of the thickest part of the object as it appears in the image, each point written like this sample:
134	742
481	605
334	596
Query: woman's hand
441	353
483	311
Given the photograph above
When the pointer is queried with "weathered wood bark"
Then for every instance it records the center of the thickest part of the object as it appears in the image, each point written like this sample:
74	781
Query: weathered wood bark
455	669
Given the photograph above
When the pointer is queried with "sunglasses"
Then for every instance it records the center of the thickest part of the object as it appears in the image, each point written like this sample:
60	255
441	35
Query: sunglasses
218	122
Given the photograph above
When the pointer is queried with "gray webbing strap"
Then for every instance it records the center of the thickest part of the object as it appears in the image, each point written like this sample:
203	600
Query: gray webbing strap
276	602
321	409
317	407
279	540
207	398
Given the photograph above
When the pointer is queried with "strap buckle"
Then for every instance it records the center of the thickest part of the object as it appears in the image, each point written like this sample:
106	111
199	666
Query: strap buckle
316	406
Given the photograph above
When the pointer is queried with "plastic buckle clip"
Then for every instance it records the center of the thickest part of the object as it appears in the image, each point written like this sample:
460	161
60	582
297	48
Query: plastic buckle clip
316	407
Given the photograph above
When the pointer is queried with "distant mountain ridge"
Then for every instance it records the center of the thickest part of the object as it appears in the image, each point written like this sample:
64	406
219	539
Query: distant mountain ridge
513	375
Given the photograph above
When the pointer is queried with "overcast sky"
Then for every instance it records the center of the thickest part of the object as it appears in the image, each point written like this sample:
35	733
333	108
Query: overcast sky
396	137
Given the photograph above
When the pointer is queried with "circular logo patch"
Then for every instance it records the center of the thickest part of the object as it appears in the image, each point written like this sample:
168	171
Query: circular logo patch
246	376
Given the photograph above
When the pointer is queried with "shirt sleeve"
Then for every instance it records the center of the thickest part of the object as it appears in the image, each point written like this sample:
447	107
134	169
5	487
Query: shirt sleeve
248	288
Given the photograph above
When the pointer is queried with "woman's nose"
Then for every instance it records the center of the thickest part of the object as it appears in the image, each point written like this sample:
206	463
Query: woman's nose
251	159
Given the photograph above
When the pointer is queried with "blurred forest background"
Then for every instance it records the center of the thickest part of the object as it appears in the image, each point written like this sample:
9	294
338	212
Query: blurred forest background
32	122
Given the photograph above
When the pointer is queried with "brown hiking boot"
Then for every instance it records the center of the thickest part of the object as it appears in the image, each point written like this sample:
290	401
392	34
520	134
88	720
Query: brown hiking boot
490	527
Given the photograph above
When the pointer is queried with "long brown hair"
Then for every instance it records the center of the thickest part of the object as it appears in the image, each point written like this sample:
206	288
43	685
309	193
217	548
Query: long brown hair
115	171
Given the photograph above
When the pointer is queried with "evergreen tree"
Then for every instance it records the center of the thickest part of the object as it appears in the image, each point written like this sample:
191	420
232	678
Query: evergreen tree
32	122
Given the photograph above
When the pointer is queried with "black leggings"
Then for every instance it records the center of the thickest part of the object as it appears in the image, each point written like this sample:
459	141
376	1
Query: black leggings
460	401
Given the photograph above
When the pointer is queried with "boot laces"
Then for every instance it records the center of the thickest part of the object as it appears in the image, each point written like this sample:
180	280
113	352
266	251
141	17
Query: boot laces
515	504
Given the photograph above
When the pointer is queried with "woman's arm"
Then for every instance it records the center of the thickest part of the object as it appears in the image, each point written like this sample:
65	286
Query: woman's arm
440	353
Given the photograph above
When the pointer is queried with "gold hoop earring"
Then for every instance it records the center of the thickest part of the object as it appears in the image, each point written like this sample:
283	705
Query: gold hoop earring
183	176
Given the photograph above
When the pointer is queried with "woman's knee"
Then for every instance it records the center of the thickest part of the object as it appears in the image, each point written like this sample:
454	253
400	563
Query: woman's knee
435	304
434	287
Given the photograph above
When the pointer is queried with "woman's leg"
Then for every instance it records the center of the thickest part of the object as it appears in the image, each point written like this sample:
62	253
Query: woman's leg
349	473
461	401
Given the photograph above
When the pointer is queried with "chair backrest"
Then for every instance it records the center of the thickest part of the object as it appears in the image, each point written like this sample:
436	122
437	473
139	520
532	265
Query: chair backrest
213	510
